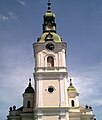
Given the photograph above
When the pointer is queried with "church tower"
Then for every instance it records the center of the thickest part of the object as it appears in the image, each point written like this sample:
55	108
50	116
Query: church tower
50	99
50	72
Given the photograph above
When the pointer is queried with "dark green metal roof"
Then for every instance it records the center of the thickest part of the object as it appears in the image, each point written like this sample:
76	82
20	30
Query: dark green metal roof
29	89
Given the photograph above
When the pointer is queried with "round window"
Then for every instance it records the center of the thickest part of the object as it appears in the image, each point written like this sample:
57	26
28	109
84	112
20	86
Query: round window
50	89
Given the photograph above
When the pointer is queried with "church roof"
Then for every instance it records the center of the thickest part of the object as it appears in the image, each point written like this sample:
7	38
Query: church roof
49	14
20	109
49	26
55	37
71	88
29	89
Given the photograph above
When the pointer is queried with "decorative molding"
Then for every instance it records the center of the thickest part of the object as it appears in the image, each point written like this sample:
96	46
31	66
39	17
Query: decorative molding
40	91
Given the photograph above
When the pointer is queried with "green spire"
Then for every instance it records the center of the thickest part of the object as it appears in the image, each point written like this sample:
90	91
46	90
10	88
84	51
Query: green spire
49	20
49	26
71	88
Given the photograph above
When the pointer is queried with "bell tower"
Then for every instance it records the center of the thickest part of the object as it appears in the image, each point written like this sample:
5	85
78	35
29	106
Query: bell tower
50	99
50	72
49	20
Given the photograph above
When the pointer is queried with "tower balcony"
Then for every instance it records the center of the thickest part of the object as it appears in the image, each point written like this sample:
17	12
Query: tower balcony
50	69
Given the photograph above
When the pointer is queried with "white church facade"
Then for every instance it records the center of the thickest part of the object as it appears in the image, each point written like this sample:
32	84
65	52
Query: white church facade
50	99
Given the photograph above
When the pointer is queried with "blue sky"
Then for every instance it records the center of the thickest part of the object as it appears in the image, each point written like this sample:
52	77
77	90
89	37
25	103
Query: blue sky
79	23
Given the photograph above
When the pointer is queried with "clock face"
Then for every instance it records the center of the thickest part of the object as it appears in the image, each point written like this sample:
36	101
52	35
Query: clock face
49	46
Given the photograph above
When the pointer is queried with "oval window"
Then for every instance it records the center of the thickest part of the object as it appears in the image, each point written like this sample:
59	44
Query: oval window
50	89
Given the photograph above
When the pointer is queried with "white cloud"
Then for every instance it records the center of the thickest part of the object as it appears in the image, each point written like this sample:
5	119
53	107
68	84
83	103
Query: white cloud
6	18
3	18
12	15
21	2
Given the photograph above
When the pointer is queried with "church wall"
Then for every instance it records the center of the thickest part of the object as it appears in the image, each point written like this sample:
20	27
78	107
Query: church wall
51	98
41	53
27	118
50	117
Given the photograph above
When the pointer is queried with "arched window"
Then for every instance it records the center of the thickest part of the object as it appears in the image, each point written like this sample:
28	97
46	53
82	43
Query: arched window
72	103
28	104
50	61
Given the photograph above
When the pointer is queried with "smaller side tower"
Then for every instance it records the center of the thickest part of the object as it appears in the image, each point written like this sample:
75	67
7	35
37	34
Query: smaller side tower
75	110
28	98
28	103
25	112
73	97
73	102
